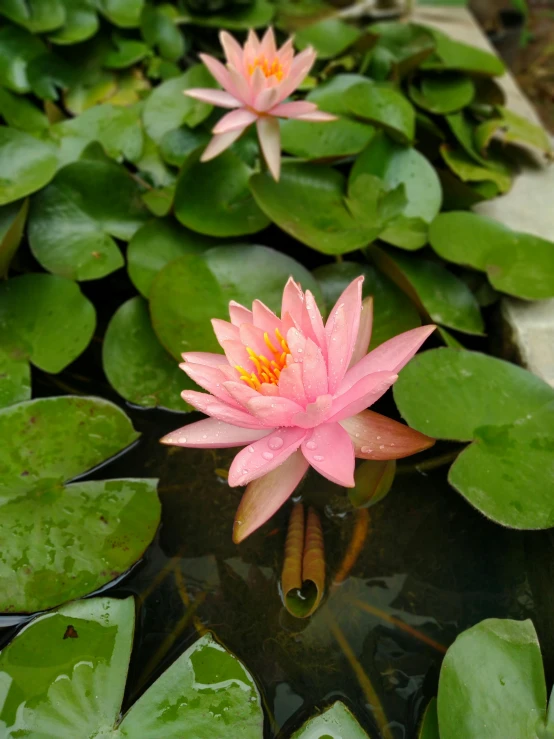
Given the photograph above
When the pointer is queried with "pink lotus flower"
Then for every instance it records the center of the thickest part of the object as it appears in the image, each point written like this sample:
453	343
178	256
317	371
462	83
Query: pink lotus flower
294	391
255	81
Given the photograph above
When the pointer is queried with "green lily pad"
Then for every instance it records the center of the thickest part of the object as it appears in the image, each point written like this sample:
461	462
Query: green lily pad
339	138
17	48
443	93
12	225
36	16
213	198
21	113
168	107
507	412
256	14
122	13
455	55
492	683
445	298
396	165
176	145
337	722
329	37
469	171
191	290
516	263
73	221
310	202
393	311
159	30
135	363
45	319
26	163
126	53
156	244
511	128
15	378
81	23
80	654
429	728
400	48
383	106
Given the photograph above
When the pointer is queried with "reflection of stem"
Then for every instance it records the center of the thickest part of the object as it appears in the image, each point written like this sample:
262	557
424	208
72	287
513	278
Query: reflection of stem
164	572
428	464
355	546
384	616
338	258
181	587
364	681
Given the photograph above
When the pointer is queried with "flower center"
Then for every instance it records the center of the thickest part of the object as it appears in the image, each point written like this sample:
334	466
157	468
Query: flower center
269	70
267	370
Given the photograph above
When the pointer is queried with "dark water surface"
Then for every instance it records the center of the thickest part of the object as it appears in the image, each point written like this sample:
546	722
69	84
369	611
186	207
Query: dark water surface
430	561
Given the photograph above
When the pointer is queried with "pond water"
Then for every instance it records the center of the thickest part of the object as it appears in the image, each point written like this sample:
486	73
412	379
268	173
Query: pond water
430	567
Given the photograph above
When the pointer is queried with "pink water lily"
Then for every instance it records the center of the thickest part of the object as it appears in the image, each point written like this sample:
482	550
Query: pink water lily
256	80
293	391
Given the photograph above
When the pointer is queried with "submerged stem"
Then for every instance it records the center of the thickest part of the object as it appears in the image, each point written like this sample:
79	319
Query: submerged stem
355	546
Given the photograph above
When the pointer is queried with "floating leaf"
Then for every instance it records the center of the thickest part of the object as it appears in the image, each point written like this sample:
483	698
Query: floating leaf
213	198
508	412
373	480
516	263
429	728
81	22
255	14
492	683
400	48
455	55
15	378
36	16
335	723
303	575
445	298
21	113
12	224
339	138
45	319
156	244
167	107
329	37
443	93
80	654
135	363
159	30
123	13
393	311
383	106
177	144
73	221
511	128
26	163
191	290
17	48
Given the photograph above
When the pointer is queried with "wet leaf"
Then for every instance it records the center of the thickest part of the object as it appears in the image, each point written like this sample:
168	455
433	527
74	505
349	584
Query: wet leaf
36	16
167	107
429	728
81	22
82	679
17	48
373	480
74	221
123	13
12	224
15	378
329	37
136	364
188	292
337	722
303	574
383	106
393	311
508	413
516	263
445	298
45	319
26	163
443	93
511	128
213	198
492	683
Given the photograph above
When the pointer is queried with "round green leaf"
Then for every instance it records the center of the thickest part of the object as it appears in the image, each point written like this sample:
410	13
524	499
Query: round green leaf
469	171
135	363
78	656
17	48
126	53
177	144
444	93
213	198
393	311
445	298
400	48
36	16
123	13
93	531
26	164
255	14
15	378
191	290
72	221
159	29
384	106
335	723
455	55
516	263
329	37
12	225
492	683
81	22
168	108
45	319
21	113
156	244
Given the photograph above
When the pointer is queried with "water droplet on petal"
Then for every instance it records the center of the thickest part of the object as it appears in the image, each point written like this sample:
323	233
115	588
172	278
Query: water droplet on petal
267	455
205	436
318	458
378	437
275	443
251	449
366	450
381	446
311	445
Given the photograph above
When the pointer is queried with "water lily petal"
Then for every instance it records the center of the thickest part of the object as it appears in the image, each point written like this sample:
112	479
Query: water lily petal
219	143
314	372
291	384
240	391
214	360
274	411
296	342
218	72
252	45
264	455
318	116
286	55
232	48
214	97
222	411
361	344
263	497
211	379
294	109
213	434
236	119
364	393
338	348
268	47
265	319
377	437
253	338
350	301
225	331
269	135
237	355
293	301
315	413
239	314
241	85
331	452
266	99
299	68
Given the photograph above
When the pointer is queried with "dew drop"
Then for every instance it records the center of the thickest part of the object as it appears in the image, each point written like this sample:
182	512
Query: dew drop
378	437
311	445
205	436
267	455
381	446
275	443
366	450
251	449
318	458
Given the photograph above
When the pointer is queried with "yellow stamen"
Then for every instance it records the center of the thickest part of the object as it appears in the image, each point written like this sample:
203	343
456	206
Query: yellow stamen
266	370
273	69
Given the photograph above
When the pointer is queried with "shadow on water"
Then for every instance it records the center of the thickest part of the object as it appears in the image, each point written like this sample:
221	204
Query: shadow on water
430	567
